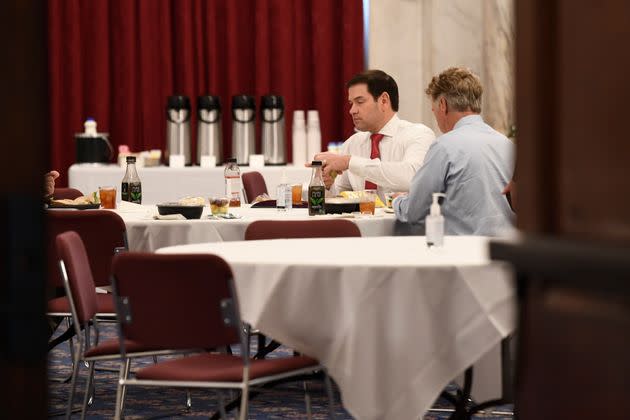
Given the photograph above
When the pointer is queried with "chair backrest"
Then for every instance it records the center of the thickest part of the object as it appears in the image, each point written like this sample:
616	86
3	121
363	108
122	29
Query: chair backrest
173	300
101	231
71	193
78	282
254	185
286	229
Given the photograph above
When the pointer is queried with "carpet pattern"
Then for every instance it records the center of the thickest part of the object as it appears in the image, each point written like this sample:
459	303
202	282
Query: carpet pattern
284	401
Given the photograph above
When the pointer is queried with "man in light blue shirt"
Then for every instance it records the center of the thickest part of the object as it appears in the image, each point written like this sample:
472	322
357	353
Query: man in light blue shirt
471	163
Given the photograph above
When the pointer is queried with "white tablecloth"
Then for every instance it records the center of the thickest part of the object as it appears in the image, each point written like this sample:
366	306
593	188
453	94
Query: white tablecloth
392	321
161	184
144	233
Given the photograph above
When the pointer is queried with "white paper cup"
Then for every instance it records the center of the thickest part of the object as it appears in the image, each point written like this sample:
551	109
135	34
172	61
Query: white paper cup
176	161
208	161
256	161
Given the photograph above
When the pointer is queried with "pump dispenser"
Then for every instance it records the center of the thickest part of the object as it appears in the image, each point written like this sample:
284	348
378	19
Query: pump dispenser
434	223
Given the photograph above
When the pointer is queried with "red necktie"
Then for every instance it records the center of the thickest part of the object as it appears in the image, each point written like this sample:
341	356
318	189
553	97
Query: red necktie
374	154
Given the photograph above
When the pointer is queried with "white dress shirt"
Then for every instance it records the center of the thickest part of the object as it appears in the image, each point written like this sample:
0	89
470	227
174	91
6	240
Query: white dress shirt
402	149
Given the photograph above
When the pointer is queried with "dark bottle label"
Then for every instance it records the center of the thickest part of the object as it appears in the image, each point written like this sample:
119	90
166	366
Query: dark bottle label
132	192
316	196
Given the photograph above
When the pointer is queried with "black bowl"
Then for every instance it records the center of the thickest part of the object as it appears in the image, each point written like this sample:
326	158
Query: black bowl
341	205
189	212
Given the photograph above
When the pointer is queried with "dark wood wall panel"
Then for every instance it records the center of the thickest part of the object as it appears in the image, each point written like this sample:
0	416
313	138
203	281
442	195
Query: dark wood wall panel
573	90
593	118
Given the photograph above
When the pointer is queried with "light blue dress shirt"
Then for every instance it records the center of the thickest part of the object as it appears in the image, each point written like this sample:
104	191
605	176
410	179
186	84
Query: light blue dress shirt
471	164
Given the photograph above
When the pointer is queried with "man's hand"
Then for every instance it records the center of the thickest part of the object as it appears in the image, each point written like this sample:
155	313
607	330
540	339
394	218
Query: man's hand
510	192
333	162
49	182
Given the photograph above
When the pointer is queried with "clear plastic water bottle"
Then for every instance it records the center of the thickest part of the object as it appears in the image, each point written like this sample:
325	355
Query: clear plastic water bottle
131	188
232	175
284	195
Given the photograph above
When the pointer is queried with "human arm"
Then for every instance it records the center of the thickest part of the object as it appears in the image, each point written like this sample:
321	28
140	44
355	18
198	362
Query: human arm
396	175
49	183
431	178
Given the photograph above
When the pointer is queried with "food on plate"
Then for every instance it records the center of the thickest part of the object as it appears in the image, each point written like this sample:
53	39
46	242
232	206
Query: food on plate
357	195
79	201
191	201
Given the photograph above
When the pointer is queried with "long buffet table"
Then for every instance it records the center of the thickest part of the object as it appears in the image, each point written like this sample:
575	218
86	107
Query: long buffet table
161	183
392	320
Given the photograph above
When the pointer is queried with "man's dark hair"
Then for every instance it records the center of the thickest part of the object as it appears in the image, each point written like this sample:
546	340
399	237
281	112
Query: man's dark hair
377	82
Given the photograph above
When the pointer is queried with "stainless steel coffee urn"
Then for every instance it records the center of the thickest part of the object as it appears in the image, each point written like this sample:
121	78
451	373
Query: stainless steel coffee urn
243	128
178	127
209	140
272	115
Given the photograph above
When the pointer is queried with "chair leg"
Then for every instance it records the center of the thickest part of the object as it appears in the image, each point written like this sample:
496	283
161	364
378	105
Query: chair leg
188	399
124	387
307	401
73	383
89	390
70	340
331	398
244	403
222	405
120	389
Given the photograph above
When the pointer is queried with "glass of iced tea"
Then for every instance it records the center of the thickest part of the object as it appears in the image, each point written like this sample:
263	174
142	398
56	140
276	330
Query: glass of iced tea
219	205
296	193
367	204
107	195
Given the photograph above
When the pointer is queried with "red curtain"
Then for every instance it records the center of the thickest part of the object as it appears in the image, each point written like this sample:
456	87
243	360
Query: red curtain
118	60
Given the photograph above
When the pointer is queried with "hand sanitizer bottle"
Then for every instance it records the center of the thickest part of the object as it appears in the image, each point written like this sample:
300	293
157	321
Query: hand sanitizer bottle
434	223
284	199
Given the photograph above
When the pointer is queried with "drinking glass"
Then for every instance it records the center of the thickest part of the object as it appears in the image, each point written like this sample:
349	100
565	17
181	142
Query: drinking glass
219	205
367	204
296	194
107	196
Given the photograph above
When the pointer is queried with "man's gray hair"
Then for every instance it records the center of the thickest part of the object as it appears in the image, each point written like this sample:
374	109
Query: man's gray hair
459	86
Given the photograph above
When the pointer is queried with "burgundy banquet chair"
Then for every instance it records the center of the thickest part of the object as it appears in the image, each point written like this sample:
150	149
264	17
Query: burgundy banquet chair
103	233
203	312
82	298
254	185
287	229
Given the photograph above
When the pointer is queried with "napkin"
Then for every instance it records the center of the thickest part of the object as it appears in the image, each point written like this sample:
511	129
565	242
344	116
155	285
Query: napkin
169	217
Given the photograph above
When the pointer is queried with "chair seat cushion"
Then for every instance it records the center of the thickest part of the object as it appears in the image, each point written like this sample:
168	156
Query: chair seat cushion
220	368
104	304
112	347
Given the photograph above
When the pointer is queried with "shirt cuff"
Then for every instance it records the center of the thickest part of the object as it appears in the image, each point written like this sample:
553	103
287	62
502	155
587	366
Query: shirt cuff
357	165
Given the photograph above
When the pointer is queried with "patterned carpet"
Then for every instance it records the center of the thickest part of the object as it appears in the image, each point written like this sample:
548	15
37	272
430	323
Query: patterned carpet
283	402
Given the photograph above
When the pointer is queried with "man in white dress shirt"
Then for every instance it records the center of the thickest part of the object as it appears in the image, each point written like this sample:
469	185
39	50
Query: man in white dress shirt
386	151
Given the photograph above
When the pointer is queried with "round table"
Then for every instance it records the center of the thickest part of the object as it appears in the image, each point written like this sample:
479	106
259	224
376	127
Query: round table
144	233
392	320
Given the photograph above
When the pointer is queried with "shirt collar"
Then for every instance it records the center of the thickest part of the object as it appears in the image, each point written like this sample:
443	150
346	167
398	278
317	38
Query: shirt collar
391	127
468	120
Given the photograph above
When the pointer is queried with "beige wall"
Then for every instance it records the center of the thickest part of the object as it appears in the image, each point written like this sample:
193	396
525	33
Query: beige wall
415	39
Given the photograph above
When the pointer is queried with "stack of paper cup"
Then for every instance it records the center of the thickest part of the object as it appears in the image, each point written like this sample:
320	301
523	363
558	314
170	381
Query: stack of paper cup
298	138
313	135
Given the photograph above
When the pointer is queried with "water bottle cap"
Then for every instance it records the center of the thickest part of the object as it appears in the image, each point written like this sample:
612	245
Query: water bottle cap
230	160
272	102
243	102
178	102
316	163
208	102
131	159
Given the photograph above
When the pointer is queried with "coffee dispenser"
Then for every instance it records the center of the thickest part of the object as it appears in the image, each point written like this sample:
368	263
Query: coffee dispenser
243	128
209	141
272	115
178	127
